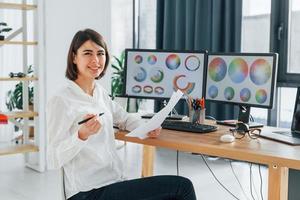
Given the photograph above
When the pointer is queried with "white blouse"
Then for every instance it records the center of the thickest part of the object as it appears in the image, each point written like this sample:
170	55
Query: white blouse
92	163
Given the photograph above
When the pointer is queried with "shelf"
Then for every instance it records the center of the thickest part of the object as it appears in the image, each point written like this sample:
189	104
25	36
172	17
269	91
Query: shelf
20	114
17	148
18	6
19	79
18	42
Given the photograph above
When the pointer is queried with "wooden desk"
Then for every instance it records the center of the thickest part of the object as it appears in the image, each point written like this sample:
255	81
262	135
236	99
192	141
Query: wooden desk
277	156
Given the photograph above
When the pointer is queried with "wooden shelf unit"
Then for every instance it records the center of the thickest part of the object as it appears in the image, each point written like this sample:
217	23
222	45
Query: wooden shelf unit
36	160
34	78
17	148
17	6
20	114
18	42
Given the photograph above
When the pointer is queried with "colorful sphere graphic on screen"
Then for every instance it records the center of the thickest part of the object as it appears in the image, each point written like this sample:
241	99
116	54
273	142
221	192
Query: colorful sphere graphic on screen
136	89
245	94
152	59
156	75
148	89
261	96
213	91
217	69
159	90
140	74
192	63
138	59
229	93
260	71
180	82
238	70
173	61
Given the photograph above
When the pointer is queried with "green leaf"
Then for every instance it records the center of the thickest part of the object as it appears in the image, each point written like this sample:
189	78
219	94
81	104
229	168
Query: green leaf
14	97
116	67
117	79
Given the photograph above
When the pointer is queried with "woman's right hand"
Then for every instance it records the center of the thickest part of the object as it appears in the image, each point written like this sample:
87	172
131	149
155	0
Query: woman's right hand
90	127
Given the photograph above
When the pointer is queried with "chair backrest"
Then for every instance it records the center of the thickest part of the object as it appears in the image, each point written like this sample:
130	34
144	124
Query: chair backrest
63	191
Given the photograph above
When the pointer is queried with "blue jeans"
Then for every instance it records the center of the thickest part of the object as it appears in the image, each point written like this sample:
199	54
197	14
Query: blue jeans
149	188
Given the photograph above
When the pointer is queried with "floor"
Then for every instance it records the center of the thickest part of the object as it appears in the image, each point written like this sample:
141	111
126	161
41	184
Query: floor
18	182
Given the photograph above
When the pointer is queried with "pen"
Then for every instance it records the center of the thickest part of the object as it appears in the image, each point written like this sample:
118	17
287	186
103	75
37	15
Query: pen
87	119
202	103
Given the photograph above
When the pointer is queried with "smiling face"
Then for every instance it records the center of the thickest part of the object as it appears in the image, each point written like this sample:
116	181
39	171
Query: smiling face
90	60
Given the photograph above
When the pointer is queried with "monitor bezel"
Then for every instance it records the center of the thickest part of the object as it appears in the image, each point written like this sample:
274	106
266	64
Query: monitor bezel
204	52
273	81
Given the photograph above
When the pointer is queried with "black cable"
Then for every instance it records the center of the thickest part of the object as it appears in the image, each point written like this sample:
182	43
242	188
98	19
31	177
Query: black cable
251	118
261	183
251	182
63	182
217	178
230	161
177	162
210	117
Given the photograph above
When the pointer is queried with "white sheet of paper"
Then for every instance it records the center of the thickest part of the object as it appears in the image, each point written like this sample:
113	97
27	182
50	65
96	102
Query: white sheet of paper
155	122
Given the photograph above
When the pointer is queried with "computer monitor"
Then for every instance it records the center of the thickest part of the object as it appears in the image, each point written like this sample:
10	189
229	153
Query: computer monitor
156	74
245	79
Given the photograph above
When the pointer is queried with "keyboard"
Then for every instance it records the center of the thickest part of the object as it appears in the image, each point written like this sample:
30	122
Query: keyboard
188	126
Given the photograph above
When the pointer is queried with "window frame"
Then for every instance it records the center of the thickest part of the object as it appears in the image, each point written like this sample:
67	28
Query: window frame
279	42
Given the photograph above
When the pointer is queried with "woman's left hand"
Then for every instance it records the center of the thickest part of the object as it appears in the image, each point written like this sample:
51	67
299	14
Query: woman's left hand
155	133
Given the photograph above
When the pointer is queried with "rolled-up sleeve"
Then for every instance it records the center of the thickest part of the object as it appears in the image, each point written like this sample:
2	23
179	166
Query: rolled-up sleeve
63	143
123	119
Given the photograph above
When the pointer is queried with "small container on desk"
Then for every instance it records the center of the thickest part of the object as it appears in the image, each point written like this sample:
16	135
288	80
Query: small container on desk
197	116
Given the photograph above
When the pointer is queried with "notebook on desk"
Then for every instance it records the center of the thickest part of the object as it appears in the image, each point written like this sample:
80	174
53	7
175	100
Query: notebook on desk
293	135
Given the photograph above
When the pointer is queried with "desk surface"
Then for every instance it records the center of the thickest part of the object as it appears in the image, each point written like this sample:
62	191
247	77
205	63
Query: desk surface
259	150
279	157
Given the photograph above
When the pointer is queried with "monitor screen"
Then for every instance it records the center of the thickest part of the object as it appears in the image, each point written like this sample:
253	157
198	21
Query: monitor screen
296	115
157	73
241	78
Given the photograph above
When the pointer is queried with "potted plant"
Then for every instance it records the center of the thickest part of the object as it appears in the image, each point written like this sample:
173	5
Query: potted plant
117	80
3	30
14	98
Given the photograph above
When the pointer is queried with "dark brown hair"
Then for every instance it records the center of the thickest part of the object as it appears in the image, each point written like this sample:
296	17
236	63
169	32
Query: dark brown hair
79	38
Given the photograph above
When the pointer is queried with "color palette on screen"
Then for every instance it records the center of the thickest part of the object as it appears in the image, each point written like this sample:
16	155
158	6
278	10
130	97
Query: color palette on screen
241	78
138	59
261	96
180	82
217	69
238	70
140	74
152	59
260	71
156	75
173	61
192	63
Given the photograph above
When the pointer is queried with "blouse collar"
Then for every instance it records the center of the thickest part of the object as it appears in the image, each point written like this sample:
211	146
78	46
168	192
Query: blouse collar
80	91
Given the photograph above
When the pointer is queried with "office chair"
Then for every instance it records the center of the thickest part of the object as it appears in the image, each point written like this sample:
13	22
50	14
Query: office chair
62	176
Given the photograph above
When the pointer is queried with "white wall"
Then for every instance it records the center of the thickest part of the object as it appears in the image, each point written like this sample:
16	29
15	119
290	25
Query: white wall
62	20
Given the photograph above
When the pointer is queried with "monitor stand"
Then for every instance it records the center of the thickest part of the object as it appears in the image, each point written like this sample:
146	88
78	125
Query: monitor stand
244	114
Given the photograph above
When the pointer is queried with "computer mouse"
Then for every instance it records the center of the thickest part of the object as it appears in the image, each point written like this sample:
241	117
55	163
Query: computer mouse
227	138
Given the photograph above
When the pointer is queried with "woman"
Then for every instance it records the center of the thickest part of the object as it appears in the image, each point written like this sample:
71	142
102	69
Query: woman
87	152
